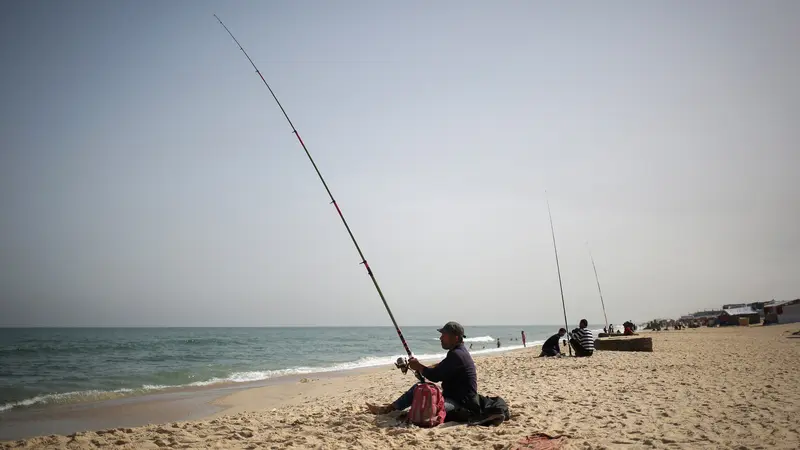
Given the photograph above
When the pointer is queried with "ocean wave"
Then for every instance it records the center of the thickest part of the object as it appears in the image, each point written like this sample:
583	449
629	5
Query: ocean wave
70	397
238	377
475	339
480	339
181	344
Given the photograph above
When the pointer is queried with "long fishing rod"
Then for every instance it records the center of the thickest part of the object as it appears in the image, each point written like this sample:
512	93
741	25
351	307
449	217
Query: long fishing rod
327	189
558	268
600	291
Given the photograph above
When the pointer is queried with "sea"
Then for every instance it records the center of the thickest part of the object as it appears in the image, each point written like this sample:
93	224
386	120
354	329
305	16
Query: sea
47	366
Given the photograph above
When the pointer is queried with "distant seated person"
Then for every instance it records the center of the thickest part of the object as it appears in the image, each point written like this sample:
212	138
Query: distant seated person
628	329
551	347
582	339
456	372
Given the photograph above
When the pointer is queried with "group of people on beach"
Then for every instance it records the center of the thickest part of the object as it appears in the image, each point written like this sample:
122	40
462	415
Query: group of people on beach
459	377
581	340
628	327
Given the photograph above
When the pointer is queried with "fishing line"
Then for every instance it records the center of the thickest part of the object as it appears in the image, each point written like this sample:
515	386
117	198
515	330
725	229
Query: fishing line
558	268
602	303
327	189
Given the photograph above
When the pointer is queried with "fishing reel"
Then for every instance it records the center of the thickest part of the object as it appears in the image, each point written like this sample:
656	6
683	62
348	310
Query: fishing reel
402	364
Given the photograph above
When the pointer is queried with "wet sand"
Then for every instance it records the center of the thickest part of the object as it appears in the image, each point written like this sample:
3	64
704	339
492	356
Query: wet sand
736	387
180	404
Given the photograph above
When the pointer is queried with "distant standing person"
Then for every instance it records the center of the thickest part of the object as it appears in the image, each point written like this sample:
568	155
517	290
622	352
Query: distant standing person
582	339
498	342
550	346
523	339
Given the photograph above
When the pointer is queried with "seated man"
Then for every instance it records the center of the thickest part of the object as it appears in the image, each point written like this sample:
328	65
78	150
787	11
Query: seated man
582	340
550	346
628	328
456	372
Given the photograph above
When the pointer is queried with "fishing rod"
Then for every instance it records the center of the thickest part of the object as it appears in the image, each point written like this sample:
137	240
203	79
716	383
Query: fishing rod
327	189
600	291
558	268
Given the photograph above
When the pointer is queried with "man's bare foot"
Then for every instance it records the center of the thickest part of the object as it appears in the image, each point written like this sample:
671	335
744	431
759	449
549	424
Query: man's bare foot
380	409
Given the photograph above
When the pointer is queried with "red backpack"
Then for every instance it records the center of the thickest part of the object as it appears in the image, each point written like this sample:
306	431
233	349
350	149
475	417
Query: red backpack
427	407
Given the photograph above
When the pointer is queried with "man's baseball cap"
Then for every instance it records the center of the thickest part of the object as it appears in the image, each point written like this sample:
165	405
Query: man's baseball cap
453	328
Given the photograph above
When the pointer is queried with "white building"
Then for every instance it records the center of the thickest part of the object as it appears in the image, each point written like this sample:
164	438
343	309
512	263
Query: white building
787	311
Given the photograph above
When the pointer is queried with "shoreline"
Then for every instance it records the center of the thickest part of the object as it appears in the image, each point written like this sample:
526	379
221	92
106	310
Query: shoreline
179	403
169	405
55	399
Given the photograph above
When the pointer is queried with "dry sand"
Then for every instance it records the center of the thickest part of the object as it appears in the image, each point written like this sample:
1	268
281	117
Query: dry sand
704	388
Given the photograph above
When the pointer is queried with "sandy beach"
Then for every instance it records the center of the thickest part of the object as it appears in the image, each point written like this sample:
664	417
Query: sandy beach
702	388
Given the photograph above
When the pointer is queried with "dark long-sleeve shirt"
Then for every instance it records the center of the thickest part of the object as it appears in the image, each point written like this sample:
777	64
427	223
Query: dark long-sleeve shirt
457	374
552	343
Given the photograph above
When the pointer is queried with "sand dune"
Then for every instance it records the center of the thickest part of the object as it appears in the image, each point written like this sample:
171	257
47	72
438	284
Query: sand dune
705	388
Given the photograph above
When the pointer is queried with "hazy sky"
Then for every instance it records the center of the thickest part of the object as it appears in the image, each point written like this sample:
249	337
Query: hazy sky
148	178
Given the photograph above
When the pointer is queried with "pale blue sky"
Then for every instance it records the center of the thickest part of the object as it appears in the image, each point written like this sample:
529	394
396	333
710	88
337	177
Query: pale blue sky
147	178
